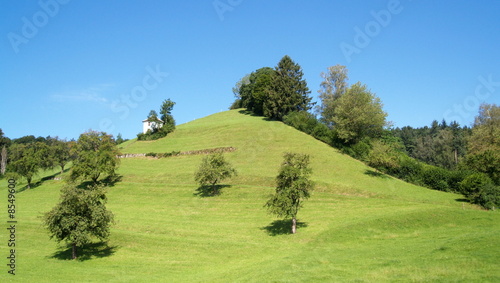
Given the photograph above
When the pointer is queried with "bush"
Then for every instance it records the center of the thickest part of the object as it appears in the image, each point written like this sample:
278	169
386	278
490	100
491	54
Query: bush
489	196
307	123
410	170
436	178
359	150
456	177
383	157
471	186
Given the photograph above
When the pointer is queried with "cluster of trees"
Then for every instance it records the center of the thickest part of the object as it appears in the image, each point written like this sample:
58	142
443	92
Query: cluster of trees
274	93
26	156
444	156
292	183
162	124
81	215
441	144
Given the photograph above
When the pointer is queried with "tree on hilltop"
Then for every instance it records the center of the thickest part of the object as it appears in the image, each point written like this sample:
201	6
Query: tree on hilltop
288	91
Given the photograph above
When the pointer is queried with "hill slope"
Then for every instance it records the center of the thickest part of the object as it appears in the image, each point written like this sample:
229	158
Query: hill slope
356	226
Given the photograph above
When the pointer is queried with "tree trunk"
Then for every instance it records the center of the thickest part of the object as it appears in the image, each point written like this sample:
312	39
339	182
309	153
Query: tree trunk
62	169
456	156
29	183
294	225
214	188
3	158
73	251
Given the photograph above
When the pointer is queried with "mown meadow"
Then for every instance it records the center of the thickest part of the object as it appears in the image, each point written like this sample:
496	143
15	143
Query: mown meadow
358	225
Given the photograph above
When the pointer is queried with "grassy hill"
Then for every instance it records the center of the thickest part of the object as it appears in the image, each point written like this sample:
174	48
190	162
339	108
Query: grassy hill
357	226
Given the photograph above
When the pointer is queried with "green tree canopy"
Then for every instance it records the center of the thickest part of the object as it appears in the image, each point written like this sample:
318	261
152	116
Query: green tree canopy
80	216
333	86
166	116
254	93
484	143
292	187
96	155
358	114
288	91
213	169
27	159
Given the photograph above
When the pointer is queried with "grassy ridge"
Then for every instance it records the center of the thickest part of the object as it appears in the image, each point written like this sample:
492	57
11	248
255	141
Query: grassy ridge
357	226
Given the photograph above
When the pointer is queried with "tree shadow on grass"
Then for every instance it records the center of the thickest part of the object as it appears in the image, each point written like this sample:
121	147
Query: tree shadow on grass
208	191
250	113
41	181
376	174
282	227
87	252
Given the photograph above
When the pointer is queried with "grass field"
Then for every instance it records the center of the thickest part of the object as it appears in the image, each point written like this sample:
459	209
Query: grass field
357	226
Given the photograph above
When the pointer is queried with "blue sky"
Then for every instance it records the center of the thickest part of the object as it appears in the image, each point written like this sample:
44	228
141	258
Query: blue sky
72	65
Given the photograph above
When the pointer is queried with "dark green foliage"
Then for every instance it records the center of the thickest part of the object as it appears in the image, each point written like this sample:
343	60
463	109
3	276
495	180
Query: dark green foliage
166	116
436	178
471	185
255	92
489	196
120	139
237	104
80	216
487	161
410	170
61	153
292	187
214	169
162	125
163	155
359	150
96	155
442	145
27	159
288	91
307	123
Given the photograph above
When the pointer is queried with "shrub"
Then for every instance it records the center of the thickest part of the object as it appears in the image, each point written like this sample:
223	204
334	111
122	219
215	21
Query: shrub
472	184
359	150
410	170
436	178
489	196
383	157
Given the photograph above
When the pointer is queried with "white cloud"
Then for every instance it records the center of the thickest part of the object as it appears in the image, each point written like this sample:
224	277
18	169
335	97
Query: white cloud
95	94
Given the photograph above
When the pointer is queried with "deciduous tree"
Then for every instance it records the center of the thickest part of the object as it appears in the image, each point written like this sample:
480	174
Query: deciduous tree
358	114
333	86
96	155
80	216
292	187
28	159
213	169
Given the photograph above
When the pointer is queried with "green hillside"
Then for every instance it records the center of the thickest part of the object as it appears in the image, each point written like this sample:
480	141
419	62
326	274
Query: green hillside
357	226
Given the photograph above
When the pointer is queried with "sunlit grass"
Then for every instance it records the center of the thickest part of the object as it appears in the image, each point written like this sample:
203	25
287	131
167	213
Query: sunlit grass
355	227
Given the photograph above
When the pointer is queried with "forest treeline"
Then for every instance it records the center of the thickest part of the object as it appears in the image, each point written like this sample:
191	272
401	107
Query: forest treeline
444	156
